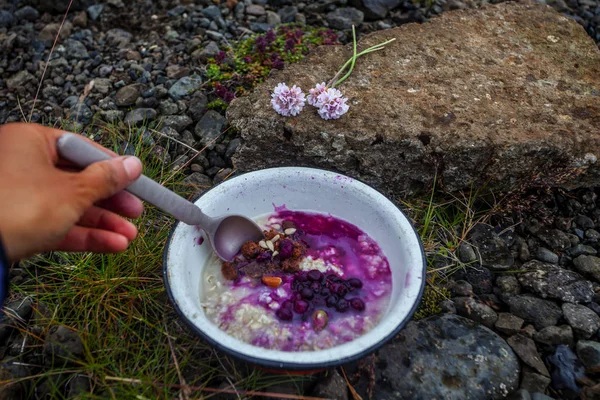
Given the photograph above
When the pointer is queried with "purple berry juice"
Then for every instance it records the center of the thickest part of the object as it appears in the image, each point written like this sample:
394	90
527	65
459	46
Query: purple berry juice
335	291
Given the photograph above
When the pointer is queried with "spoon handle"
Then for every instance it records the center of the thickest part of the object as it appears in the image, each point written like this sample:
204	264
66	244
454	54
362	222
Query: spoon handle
74	148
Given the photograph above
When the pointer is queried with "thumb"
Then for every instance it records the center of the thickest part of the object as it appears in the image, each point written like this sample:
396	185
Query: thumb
103	179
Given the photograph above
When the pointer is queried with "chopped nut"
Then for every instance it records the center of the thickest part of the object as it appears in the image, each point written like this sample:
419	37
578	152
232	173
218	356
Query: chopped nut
272	281
270	245
250	250
263	244
290	231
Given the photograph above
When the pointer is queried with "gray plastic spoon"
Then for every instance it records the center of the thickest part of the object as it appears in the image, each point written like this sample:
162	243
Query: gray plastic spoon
226	234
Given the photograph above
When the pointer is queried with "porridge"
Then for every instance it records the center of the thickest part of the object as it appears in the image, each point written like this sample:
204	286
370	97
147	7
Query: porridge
314	282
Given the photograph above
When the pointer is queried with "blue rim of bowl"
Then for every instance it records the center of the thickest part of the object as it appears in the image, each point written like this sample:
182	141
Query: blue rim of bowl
280	365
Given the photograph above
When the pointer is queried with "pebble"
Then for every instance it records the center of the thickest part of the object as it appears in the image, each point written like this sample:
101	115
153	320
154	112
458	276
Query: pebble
584	321
554	335
588	352
508	324
526	350
476	311
333	387
588	265
185	86
545	255
508	284
140	115
27	13
209	128
534	382
493	250
584	222
462	288
62	344
541	313
344	18
582	249
95	11
466	253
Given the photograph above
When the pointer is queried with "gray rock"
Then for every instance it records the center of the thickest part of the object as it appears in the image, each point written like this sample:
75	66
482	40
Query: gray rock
332	387
376	9
540	396
112	115
508	284
524	253
167	107
212	12
232	148
401	159
49	32
273	18
466	253
288	14
592	235
555	335
534	382
197	106
200	181
584	222
588	352
209	128
494	252
185	86
541	313
6	19
584	321
551	281
102	85
76	49
209	51
554	238
78	385
448	306
255	9
582	250
127	95
222	175
520	394
526	350
508	324
80	113
470	308
27	13
118	38
545	255
95	11
344	18
458	358
140	115
11	391
589	266
62	344
177	122
19	79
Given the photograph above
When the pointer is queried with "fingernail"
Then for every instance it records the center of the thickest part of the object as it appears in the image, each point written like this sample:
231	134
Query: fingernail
133	167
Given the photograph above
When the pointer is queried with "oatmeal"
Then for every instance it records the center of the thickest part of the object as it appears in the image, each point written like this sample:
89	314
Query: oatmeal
314	282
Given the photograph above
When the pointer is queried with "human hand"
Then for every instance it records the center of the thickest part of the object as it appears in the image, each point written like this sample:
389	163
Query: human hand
45	205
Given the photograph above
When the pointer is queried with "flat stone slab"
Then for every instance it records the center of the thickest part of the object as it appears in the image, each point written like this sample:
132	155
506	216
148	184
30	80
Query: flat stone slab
504	95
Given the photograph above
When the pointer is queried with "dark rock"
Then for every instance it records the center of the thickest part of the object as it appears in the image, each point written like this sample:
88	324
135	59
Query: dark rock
26	13
255	9
494	252
118	37
332	387
584	321
588	352
564	224
545	255
185	86
526	350
209	51
508	324
462	288
209	128
232	148
212	12
584	222
466	253
565	369
50	31
554	238
6	19
592	235
80	113
376	9
524	253
534	382
127	95
551	281
520	394
19	80
222	175
140	115
553	335
76	49
10	391
448	306
450	353
197	106
582	250
540	396
344	18
62	344
508	284
479	277
589	266
287	14
78	385
476	311
198	180
541	313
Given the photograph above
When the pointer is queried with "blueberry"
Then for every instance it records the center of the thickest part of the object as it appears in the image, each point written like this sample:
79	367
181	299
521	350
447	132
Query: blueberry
316	286
331	301
342	305
333	277
286	248
300	306
357	304
284	314
338	289
301	277
315	275
263	256
307	293
287	305
325	291
355	282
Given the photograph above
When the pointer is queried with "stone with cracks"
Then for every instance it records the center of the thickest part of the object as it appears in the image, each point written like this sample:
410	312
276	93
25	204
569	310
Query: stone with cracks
501	96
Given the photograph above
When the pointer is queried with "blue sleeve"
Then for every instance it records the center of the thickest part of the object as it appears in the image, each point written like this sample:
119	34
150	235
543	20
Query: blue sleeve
4	265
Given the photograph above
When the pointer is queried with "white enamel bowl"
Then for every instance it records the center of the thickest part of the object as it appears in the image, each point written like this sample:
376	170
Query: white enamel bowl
300	189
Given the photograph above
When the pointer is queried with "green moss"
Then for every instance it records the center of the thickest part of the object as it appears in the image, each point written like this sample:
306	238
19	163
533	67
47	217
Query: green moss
430	303
218	105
